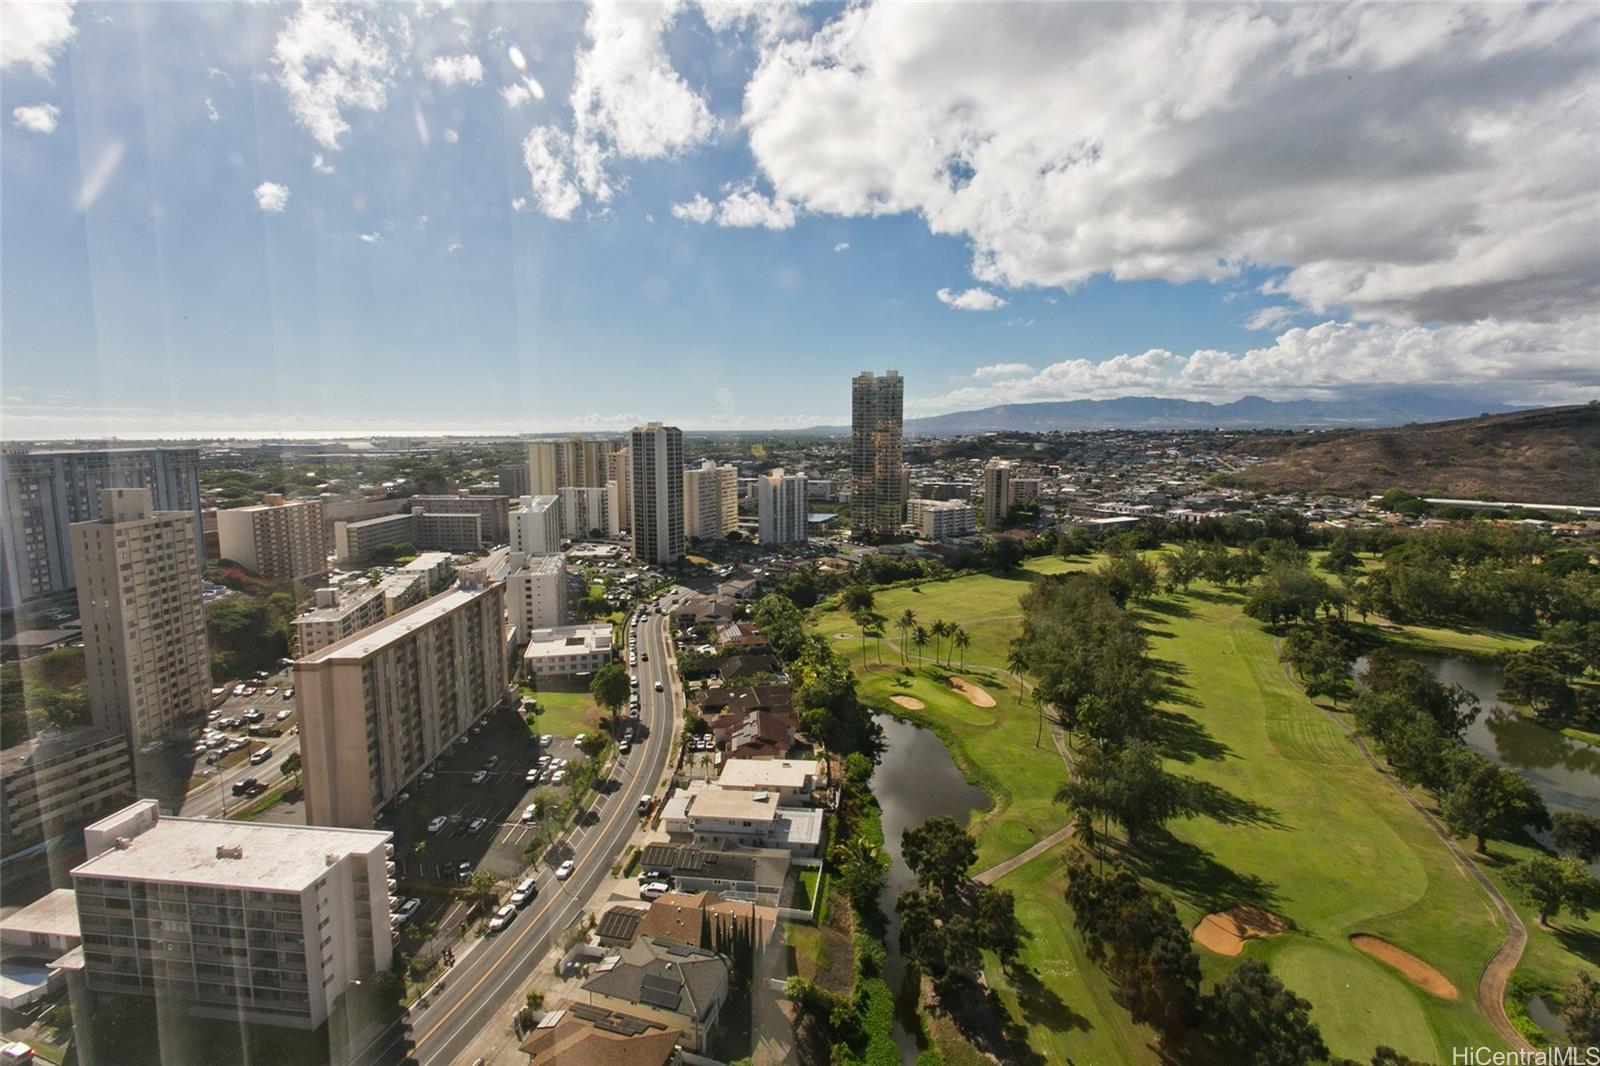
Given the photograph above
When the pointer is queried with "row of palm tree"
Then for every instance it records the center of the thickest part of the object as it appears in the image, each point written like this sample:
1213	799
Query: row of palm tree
920	636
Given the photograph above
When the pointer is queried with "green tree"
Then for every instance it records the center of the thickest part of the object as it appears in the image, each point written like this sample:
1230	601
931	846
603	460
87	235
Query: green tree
856	598
1576	834
1127	786
1489	800
611	687
919	640
292	764
1183	565
1008	553
939	852
907	622
940	629
962	642
1552	885
1256	1020
1580	1010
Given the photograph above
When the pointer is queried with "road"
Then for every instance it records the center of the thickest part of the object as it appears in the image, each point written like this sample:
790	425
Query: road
215	798
486	984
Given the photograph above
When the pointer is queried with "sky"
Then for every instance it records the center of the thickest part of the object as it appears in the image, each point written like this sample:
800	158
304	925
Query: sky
324	218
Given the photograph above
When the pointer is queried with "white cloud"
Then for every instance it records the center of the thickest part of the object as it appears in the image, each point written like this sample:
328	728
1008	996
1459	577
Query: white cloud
272	197
1191	143
697	210
1270	318
975	299
627	102
453	247
35	118
330	59
842	246
519	203
451	136
321	165
1523	362
98	177
35	34
456	70
211	111
370	238
521	92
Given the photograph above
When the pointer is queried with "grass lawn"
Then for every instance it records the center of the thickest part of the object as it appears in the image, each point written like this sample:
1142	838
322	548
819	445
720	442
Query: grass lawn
1299	824
805	888
566	714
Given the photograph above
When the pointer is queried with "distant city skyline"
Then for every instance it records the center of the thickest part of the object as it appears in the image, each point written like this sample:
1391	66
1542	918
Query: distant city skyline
343	221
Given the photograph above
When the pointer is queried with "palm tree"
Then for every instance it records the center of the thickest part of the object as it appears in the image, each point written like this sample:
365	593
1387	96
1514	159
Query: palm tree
874	629
907	622
1016	662
940	628
962	641
919	640
862	618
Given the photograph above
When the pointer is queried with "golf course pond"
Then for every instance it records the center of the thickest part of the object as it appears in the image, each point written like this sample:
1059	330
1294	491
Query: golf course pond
915	780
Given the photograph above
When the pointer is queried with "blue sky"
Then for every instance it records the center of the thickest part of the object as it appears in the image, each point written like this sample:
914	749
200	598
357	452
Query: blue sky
276	218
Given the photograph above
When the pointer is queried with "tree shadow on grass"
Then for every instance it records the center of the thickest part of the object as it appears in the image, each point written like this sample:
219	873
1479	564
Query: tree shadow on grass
1184	739
1220	805
1195	876
1584	943
1040	1005
1210	596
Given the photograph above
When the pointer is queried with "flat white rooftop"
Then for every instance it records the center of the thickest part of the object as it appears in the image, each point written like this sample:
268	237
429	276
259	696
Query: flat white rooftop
360	645
275	858
733	806
55	914
767	773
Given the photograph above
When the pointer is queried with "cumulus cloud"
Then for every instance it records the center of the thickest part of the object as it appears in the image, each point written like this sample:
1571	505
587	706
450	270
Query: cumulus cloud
521	92
975	299
1409	163
370	238
211	111
1270	318
321	165
1522	361
743	207
464	69
627	102
272	197
35	118
35	34
842	246
330	59
697	210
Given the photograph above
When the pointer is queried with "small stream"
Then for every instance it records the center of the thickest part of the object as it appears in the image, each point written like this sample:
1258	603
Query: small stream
915	780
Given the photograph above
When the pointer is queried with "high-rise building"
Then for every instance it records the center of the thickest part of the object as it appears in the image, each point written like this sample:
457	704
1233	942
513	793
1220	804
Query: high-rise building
577	462
276	539
536	525
877	499
996	492
781	507
536	594
53	784
710	501
336	614
514	480
620	473
657	492
585	510
144	623
269	924
45	492
379	707
493	512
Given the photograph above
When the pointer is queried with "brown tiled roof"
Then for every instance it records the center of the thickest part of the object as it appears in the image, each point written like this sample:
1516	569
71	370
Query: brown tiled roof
677	917
582	1035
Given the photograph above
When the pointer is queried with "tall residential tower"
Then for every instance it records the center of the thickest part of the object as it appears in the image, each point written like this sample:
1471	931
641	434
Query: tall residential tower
877	496
657	492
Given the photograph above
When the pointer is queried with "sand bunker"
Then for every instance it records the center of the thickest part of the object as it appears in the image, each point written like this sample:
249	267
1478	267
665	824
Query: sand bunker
1412	968
1226	931
975	695
910	703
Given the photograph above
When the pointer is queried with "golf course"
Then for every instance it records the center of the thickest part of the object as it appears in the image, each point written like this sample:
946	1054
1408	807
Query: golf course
1296	825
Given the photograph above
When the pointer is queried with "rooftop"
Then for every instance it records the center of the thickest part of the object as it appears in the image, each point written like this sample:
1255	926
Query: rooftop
581	1035
733	805
360	645
768	773
674	978
50	744
274	858
56	914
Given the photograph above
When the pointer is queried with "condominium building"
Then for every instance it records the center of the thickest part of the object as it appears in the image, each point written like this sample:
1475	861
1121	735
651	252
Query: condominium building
562	651
1023	491
657	475
781	507
942	519
45	492
276	539
620	462
57	782
877	486
536	594
536	525
260	923
578	462
996	492
710	501
493	512
586	511
514	480
355	543
336	614
379	707
144	624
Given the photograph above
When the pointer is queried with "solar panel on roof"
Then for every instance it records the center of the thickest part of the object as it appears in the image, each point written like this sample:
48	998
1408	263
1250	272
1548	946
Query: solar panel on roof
657	996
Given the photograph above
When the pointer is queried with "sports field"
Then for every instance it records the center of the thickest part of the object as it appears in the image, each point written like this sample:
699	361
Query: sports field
1300	825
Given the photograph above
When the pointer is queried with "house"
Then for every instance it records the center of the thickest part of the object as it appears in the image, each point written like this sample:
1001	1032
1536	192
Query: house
699	610
748	818
739	667
726	698
755	734
618	926
675	985
701	919
792	781
743	636
732	872
579	1034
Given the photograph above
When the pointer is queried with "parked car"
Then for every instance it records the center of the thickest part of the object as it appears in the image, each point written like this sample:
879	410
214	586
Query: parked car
645	803
283	714
480	777
403	913
544	741
463	870
475	826
558	777
426	775
491	762
288	693
624	747
502	918
654	889
523	894
531	777
530	812
564	871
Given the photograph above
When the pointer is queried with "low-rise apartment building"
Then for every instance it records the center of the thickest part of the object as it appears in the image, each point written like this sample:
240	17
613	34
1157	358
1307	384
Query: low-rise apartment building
493	512
561	651
277	539
942	519
752	819
57	782
792	781
252	921
379	707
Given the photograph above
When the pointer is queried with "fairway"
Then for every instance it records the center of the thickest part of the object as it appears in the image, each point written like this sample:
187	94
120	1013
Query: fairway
1299	825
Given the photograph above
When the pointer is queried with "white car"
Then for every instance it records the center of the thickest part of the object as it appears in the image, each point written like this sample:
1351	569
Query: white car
624	747
654	889
281	715
558	777
502	918
404	912
658	686
438	824
531	777
564	871
524	893
544	741
480	777
530	812
259	756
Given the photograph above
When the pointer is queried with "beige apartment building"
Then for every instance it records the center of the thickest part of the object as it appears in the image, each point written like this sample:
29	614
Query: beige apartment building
877	474
996	492
781	507
585	510
57	782
657	473
277	539
379	707
144	624
536	593
577	462
941	519
493	512
269	924
620	463
336	614
710	501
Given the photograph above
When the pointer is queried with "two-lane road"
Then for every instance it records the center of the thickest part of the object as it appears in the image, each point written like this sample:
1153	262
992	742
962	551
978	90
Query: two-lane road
485	986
